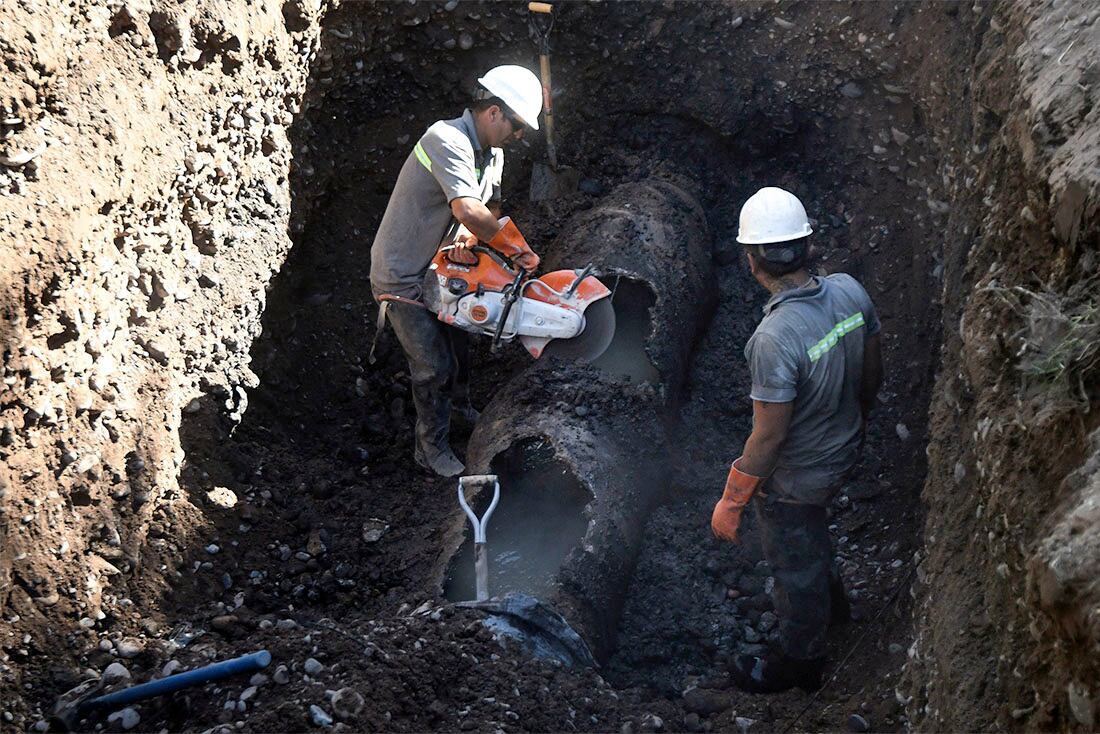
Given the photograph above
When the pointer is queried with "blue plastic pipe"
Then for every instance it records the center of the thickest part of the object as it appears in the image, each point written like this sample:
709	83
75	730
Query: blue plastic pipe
215	671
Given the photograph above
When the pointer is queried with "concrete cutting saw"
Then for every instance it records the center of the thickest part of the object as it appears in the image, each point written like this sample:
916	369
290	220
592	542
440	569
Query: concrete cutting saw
566	313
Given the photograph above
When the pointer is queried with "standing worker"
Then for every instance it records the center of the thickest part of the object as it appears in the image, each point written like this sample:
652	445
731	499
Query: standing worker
448	193
816	366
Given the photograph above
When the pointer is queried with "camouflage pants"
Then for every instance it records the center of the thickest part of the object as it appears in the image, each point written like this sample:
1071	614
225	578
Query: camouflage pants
796	545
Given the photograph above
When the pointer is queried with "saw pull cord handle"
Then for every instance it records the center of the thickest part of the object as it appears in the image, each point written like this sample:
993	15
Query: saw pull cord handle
509	300
481	557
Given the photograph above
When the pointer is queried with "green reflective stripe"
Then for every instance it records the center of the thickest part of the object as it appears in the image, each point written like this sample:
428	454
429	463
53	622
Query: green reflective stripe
422	156
477	173
849	324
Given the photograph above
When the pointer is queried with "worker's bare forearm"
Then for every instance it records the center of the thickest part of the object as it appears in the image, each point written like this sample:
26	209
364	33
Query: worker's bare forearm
871	380
761	454
770	425
476	217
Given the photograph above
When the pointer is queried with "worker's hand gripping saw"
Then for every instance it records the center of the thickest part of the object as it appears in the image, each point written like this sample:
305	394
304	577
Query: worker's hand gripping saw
481	558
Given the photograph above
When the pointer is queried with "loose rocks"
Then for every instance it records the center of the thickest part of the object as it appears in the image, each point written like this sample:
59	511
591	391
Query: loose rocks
347	703
127	718
115	673
319	716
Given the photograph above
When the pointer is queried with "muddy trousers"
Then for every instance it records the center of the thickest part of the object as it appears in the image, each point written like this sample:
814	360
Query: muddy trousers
796	545
439	369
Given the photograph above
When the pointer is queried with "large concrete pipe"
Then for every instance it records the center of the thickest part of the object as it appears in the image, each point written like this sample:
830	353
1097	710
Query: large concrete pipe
649	241
580	449
581	461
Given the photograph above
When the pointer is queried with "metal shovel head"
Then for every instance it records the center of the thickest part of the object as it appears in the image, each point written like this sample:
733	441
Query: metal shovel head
546	183
595	337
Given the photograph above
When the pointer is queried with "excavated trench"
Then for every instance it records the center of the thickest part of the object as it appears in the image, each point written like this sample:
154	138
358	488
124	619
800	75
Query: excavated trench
301	525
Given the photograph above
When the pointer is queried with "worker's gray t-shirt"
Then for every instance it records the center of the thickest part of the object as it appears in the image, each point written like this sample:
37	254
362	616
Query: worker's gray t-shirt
809	349
446	163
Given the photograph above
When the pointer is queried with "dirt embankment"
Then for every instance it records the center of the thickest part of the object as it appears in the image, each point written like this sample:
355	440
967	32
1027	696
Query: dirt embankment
1006	628
144	201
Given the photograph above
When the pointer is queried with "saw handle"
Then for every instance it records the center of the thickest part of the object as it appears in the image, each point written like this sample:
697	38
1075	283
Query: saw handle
510	299
495	255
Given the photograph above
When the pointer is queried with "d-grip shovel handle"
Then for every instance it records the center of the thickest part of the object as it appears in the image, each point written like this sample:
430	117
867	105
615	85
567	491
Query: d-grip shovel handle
540	7
477	480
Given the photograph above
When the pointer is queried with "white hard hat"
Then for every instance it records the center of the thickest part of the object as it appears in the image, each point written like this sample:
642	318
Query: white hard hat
518	88
772	215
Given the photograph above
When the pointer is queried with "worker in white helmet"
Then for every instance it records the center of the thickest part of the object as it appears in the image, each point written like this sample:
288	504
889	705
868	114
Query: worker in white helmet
448	192
816	366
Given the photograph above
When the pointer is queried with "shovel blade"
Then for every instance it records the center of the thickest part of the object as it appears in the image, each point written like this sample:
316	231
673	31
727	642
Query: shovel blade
546	183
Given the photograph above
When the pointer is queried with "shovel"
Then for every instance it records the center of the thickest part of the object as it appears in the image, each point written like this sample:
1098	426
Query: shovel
481	553
547	181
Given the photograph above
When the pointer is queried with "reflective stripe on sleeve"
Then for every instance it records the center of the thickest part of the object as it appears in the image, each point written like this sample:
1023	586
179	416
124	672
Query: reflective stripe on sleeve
422	156
849	324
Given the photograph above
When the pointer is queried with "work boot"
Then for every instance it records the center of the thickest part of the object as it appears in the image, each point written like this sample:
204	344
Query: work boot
464	416
774	673
440	460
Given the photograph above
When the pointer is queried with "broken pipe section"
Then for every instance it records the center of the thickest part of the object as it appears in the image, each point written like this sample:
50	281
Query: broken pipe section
650	243
581	441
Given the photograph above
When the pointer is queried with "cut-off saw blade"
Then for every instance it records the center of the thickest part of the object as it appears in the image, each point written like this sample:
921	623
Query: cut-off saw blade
594	339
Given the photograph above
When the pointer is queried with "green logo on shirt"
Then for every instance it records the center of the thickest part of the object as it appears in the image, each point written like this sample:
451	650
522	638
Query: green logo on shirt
849	324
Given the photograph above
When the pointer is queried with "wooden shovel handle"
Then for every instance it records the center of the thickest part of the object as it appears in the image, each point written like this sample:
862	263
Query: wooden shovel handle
540	7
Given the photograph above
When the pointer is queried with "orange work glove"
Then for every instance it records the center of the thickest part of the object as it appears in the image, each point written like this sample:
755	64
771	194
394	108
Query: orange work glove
509	242
726	517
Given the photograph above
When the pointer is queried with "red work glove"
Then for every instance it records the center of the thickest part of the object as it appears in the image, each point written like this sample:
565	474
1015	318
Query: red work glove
726	517
509	242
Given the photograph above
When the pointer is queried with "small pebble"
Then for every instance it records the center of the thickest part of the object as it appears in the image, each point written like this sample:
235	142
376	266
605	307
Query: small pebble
127	718
347	703
129	648
115	673
281	675
319	716
858	724
313	667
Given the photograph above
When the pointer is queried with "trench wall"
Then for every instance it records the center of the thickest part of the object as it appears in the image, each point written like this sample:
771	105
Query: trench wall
136	250
1008	621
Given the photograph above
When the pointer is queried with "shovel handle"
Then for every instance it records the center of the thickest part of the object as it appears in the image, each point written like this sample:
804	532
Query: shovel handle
479	524
540	7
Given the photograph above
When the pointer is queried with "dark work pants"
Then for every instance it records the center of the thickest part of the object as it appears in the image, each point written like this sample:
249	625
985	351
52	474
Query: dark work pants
796	544
439	369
